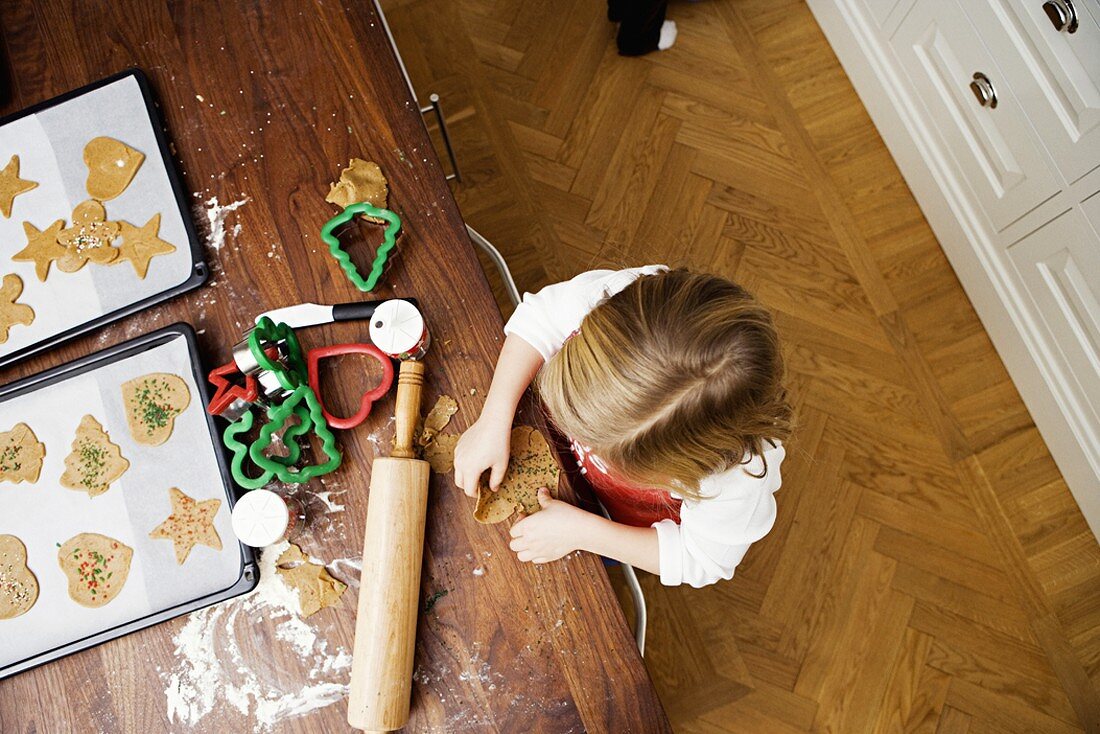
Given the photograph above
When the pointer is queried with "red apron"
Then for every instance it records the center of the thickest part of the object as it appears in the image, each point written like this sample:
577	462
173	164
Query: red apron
627	503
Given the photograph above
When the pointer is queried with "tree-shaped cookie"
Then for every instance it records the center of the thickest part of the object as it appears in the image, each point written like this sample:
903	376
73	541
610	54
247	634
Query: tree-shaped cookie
42	247
191	523
12	313
11	185
20	455
90	237
94	462
141	244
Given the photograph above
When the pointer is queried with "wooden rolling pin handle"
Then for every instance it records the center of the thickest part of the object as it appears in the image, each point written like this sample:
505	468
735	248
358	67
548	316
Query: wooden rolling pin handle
410	381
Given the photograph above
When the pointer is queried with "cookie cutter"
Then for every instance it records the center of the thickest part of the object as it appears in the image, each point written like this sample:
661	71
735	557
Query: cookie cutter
389	241
366	401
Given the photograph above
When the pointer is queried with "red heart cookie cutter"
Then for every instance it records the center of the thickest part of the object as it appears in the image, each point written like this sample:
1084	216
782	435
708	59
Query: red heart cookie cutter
314	357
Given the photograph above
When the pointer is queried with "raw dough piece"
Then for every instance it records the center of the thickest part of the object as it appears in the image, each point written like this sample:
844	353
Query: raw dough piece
42	247
112	165
152	403
360	181
141	244
90	237
96	566
316	588
440	453
437	419
530	467
12	186
18	586
191	523
94	462
20	455
12	313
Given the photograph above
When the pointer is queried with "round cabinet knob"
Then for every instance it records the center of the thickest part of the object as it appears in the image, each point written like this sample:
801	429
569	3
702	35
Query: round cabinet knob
983	90
1062	15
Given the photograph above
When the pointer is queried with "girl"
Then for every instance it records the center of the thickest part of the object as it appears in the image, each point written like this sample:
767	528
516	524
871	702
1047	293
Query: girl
669	385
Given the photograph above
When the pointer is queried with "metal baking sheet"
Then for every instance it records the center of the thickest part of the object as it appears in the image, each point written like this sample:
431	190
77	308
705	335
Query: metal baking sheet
49	139
45	514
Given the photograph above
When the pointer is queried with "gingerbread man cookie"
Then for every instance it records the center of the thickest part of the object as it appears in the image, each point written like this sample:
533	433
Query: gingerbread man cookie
12	313
90	237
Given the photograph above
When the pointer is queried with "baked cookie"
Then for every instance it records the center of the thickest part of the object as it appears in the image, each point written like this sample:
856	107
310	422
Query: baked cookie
152	403
316	588
96	566
191	523
20	455
531	466
90	237
42	247
94	461
12	186
112	165
141	244
18	586
360	181
12	313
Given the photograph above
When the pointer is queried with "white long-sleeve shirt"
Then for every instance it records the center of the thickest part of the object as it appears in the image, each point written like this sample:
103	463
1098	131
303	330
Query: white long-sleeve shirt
738	509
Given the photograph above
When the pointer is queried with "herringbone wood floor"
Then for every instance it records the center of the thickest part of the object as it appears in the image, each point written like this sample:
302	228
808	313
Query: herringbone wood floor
929	570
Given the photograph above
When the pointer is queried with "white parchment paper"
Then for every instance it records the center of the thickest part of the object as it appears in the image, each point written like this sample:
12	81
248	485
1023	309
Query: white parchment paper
45	514
50	146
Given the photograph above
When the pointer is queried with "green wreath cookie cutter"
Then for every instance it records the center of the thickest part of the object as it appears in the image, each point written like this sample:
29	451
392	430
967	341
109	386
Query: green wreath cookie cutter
294	373
389	240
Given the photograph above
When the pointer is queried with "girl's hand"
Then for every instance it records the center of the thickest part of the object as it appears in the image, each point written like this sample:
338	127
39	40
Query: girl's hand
551	533
484	445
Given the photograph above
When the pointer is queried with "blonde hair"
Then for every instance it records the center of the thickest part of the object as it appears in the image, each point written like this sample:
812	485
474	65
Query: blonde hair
676	377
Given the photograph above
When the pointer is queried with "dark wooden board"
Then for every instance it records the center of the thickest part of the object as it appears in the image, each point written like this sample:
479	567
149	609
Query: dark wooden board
291	91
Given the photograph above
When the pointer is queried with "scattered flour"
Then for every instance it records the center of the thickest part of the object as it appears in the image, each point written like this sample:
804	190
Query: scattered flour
330	503
215	220
199	679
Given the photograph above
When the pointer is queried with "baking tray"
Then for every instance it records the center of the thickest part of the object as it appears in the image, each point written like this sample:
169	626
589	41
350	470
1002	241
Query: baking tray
49	138
154	570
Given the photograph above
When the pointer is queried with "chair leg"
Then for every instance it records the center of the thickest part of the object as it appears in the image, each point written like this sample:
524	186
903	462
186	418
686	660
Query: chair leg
498	260
637	597
436	107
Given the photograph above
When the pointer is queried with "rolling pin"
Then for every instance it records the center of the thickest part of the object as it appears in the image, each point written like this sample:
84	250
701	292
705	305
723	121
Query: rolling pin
389	594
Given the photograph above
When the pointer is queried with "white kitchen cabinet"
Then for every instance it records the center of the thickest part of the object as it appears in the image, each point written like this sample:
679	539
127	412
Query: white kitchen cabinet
1011	188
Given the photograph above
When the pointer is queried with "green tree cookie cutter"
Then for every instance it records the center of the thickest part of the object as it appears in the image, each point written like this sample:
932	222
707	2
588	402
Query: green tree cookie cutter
277	417
389	240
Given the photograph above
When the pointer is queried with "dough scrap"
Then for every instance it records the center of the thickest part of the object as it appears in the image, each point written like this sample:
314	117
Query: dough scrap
96	566
152	403
18	585
437	419
112	165
141	244
12	313
191	523
531	466
21	455
440	453
90	237
94	461
42	247
360	181
317	589
12	186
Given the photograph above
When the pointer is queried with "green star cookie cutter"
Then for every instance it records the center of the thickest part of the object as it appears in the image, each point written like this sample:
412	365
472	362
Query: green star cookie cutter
389	240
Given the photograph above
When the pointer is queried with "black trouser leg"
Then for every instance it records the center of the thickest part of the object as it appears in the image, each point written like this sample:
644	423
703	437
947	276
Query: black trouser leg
641	22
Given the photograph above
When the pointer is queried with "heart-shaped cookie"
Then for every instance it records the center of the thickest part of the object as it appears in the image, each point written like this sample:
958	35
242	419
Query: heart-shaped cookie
152	403
112	165
313	361
18	586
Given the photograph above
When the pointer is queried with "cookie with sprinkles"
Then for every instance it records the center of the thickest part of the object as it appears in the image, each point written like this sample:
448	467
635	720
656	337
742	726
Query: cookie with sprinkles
21	455
531	466
89	238
152	403
96	567
18	585
191	523
94	461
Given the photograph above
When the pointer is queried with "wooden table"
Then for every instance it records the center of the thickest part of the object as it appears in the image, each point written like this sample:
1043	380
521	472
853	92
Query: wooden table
268	100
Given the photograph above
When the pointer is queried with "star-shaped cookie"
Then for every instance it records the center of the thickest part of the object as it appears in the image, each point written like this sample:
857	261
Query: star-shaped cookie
191	523
141	244
91	237
12	313
42	247
12	186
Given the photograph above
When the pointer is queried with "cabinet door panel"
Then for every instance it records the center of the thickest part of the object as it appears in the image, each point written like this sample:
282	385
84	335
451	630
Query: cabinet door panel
1060	267
994	149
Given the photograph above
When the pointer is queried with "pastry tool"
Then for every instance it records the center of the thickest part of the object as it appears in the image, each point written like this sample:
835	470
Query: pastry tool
389	241
393	551
262	517
314	314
